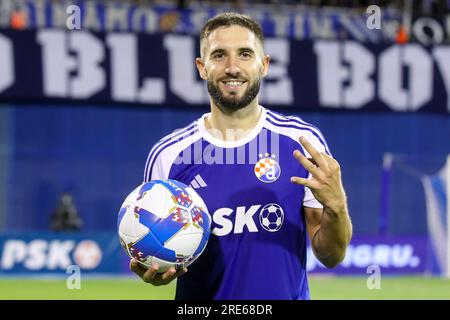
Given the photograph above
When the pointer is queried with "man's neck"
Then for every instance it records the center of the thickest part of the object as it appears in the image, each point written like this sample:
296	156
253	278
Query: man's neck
234	126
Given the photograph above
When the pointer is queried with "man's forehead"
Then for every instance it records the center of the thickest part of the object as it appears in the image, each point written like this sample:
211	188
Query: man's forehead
231	37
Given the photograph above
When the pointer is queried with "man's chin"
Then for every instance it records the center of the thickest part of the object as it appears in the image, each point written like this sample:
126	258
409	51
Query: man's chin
231	95
231	105
231	101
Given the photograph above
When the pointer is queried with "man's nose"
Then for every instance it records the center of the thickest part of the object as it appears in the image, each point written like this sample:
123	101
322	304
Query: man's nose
232	67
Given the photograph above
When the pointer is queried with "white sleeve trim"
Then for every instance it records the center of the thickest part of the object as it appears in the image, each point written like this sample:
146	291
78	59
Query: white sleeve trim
167	157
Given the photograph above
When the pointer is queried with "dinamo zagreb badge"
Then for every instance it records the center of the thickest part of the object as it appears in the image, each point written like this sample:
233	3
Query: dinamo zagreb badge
267	169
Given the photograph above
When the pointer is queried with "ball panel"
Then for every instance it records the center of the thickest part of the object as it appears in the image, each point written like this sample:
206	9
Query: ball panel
174	224
143	188
134	195
149	245
146	217
207	228
202	246
200	218
122	211
197	199
157	200
131	227
184	244
124	245
178	191
129	202
163	264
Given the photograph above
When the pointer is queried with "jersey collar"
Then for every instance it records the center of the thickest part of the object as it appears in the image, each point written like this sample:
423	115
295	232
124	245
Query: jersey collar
231	144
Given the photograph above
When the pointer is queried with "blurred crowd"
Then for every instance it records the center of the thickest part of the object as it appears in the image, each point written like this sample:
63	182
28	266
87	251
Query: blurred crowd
421	7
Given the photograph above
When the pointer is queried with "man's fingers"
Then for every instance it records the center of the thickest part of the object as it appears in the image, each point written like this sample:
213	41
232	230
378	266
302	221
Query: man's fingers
181	271
168	276
312	184
152	276
302	181
151	273
146	274
312	161
317	157
306	163
332	163
136	268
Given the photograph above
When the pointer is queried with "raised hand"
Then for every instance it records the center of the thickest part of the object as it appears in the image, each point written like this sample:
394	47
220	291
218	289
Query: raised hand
325	183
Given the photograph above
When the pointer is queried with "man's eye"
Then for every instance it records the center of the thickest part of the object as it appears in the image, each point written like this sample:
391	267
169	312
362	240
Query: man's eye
246	54
218	56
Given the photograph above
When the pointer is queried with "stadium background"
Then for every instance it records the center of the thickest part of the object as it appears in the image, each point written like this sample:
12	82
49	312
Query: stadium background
94	146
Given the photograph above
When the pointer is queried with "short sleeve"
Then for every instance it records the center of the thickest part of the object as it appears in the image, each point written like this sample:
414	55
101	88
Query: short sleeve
153	167
319	143
309	200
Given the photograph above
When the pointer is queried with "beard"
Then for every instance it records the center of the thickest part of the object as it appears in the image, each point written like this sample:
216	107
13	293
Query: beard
233	103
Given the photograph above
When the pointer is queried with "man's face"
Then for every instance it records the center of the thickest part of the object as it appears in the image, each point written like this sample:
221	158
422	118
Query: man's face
233	64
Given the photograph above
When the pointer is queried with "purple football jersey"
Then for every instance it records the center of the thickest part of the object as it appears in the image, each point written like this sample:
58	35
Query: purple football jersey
257	246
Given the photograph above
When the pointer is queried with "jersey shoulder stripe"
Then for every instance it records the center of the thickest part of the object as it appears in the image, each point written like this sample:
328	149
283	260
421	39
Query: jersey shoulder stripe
297	119
166	141
283	118
166	157
162	148
297	124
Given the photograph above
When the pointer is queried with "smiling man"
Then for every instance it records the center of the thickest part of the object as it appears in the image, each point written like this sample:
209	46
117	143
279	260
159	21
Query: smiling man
233	80
269	180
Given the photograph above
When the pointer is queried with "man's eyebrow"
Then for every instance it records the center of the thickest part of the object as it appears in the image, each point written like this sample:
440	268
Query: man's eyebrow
217	51
246	49
243	49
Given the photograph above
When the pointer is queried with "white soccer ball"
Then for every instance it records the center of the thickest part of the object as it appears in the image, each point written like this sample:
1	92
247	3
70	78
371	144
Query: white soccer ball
166	222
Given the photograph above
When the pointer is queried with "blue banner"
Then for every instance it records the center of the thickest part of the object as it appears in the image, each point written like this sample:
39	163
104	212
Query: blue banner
378	254
57	253
159	70
100	253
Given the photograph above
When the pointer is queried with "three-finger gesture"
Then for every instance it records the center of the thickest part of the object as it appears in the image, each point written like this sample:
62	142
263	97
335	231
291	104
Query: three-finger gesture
325	183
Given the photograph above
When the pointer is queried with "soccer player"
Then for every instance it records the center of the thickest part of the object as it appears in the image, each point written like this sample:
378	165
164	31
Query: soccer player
267	179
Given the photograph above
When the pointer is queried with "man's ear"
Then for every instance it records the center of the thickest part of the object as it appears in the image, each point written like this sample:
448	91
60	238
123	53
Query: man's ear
201	68
266	62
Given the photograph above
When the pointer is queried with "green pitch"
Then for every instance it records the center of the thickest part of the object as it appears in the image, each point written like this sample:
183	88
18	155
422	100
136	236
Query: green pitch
133	288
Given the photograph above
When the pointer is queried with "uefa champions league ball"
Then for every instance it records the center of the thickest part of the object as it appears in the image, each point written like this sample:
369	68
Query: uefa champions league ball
166	222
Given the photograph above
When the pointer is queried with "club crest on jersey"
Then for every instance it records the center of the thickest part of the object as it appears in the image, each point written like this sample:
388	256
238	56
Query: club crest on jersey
267	169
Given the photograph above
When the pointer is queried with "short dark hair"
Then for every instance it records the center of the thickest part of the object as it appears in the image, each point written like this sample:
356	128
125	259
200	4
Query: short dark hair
229	19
